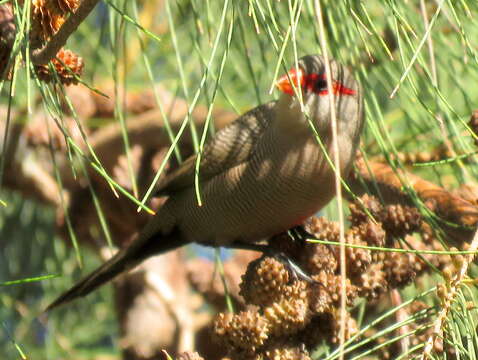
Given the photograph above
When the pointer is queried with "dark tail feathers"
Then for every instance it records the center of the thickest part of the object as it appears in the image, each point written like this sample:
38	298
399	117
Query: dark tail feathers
124	260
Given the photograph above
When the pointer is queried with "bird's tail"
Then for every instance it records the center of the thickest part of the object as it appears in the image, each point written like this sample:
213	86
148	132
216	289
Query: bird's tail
124	260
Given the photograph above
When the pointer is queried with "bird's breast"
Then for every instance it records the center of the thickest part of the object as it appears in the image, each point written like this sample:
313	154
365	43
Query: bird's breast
276	189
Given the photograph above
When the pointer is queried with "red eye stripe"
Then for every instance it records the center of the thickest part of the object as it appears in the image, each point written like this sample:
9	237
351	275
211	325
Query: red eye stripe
310	83
343	90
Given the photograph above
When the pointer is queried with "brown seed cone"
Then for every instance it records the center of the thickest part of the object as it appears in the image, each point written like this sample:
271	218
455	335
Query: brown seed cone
430	242
298	289
332	283
323	229
284	351
46	19
246	331
318	330
400	220
66	5
399	268
222	323
427	234
372	283
327	327
351	327
67	73
320	300
318	257
378	256
358	215
189	355
287	316
397	220
264	282
371	233
357	259
419	263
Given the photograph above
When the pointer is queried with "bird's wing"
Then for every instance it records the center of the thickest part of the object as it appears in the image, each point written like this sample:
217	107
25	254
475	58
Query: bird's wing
230	147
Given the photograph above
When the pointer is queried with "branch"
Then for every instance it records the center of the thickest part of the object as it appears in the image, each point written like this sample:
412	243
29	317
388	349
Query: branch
382	180
46	53
451	207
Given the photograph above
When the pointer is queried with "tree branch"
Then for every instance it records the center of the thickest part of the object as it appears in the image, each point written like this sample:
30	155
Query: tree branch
43	55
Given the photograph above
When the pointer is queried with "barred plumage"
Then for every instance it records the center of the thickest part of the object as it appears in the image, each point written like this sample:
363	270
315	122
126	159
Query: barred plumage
261	175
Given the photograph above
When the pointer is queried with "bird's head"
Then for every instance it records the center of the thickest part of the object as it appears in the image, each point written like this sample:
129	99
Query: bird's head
310	79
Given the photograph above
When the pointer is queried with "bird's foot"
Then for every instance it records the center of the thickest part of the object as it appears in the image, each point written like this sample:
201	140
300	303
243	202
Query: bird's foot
301	233
295	270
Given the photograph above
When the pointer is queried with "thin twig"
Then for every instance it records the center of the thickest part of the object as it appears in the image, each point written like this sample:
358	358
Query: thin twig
43	55
338	183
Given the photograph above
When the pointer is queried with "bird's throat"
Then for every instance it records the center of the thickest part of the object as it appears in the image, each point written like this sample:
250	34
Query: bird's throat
294	121
289	116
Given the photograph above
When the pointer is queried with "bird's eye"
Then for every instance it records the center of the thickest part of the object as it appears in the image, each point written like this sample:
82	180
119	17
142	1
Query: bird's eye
316	83
321	84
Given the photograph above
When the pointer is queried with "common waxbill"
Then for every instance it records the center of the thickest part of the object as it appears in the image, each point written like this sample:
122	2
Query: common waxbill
259	176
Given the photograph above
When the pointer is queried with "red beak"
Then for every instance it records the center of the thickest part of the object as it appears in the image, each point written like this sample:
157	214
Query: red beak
284	83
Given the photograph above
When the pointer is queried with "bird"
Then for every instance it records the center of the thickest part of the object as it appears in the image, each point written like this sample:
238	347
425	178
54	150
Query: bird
264	173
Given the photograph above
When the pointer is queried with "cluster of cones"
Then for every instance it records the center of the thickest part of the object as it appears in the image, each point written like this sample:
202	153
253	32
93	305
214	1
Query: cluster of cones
285	317
47	17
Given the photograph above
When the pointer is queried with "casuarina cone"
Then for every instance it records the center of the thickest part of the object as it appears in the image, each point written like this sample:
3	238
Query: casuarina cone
261	175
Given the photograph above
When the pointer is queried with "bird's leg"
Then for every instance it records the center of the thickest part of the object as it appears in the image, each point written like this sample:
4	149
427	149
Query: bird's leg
295	271
301	234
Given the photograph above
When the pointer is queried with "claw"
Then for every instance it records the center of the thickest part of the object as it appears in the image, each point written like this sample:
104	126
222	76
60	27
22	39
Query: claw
295	270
